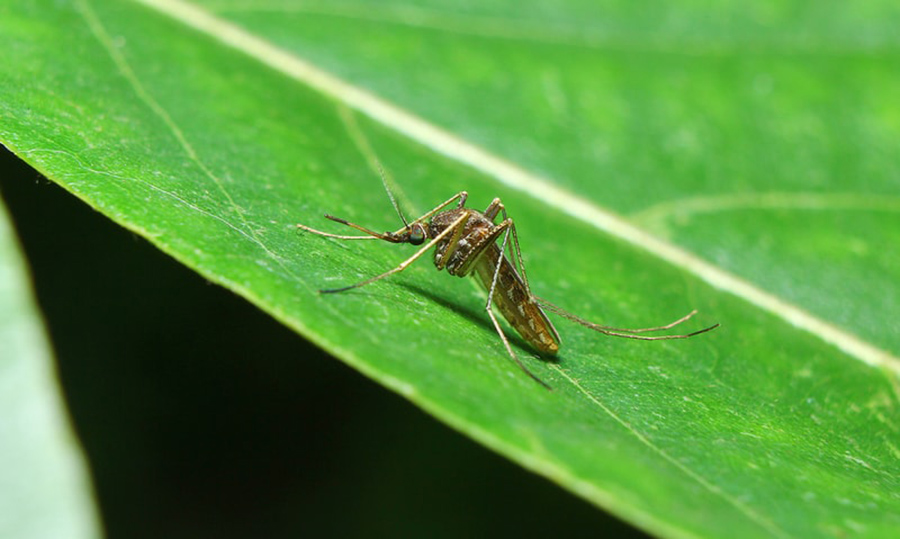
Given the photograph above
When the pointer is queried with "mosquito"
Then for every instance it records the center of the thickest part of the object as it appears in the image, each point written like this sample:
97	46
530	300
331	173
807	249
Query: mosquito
465	242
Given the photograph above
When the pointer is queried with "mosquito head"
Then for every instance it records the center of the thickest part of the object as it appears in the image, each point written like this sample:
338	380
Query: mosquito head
416	233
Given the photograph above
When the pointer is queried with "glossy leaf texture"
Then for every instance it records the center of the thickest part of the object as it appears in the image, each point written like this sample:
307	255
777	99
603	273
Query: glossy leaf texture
44	486
760	138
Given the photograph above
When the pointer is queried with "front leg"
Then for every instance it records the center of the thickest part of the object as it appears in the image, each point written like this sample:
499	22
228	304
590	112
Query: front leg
453	243
495	208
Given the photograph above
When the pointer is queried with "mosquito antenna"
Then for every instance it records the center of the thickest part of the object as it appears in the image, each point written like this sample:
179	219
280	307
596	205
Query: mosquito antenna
390	194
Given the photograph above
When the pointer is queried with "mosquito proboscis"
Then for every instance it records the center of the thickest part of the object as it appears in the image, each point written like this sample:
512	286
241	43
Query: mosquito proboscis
466	242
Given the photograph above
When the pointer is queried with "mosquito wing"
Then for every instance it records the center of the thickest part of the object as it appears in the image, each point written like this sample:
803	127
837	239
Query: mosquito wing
511	297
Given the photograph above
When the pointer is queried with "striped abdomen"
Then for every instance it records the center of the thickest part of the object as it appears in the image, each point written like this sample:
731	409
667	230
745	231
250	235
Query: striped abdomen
511	298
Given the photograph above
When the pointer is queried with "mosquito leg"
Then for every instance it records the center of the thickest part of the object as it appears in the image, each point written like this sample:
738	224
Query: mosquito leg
494	208
461	196
670	325
624	332
452	243
497	207
403	265
566	314
521	263
513	354
658	337
507	223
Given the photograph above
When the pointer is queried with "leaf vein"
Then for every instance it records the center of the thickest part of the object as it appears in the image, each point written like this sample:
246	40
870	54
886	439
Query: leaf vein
103	36
749	512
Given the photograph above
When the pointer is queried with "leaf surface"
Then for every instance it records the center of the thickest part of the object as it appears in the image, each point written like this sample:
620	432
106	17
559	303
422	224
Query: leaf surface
201	138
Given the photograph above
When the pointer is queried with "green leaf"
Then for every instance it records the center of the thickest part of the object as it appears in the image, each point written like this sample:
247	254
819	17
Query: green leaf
44	491
728	132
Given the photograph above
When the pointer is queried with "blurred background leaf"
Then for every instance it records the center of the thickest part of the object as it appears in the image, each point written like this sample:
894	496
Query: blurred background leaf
44	486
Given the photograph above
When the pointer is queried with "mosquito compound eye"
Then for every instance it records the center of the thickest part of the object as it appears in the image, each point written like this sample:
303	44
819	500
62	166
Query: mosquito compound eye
417	235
